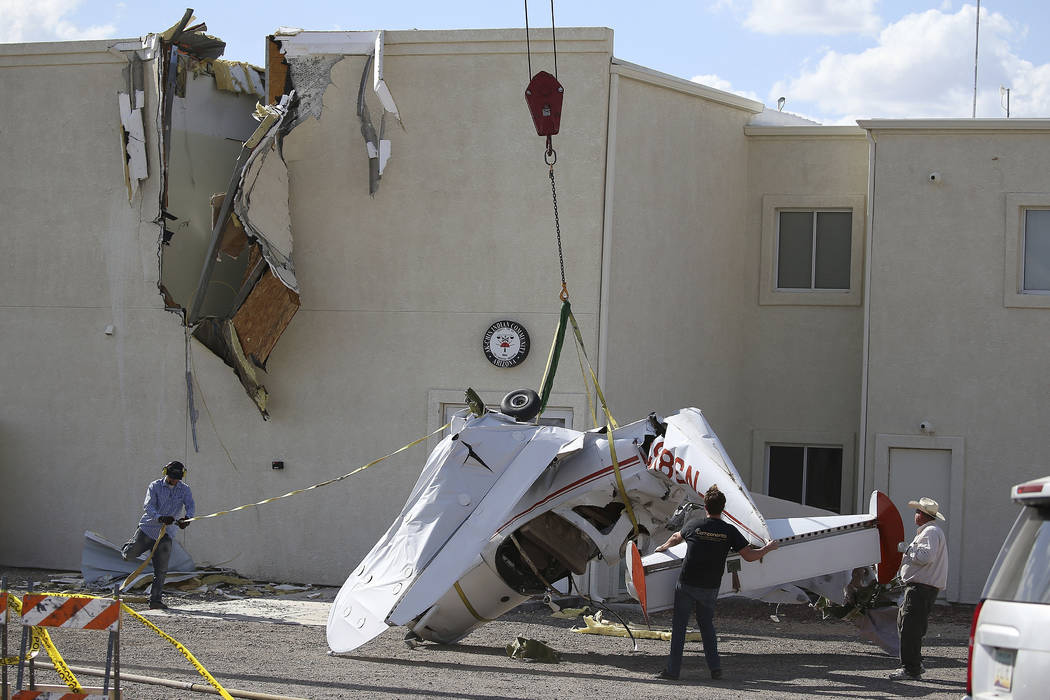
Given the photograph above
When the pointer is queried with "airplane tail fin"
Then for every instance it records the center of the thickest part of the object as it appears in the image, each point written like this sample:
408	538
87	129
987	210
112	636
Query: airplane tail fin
891	532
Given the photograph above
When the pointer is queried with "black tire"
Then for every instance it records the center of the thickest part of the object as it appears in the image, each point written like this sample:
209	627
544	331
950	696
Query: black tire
521	404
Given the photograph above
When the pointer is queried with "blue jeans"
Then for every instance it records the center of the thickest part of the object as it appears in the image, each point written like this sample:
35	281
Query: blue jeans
700	601
142	542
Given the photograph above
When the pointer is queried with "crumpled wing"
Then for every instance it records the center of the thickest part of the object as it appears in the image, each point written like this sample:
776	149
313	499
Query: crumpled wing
466	487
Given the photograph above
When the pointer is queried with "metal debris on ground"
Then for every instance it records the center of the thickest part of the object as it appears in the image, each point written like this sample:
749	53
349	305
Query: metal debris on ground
532	650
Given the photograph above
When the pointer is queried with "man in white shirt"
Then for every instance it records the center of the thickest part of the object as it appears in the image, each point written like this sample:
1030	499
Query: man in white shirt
924	571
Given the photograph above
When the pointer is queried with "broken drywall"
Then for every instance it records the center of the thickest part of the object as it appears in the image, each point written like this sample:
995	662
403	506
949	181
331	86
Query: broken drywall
133	135
310	57
311	76
261	200
226	247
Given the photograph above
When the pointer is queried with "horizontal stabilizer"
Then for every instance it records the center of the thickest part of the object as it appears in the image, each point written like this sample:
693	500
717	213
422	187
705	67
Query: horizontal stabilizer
811	547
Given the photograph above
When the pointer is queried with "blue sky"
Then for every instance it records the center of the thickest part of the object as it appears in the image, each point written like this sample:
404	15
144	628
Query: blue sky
834	60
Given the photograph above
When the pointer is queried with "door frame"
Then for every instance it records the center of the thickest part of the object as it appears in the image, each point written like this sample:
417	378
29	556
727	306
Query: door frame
956	445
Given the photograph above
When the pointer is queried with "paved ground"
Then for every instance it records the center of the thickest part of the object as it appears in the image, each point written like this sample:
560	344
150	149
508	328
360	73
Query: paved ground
277	645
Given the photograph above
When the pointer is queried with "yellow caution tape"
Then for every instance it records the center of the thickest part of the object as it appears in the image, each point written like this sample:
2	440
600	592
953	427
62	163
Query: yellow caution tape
612	629
42	639
60	664
323	483
183	650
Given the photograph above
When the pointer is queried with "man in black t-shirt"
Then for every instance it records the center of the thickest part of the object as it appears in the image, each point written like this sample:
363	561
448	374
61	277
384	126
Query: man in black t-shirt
709	541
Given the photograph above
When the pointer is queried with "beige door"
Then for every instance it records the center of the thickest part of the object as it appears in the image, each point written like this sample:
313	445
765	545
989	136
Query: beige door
918	472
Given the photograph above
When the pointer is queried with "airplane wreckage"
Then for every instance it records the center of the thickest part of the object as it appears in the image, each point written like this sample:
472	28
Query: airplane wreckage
503	507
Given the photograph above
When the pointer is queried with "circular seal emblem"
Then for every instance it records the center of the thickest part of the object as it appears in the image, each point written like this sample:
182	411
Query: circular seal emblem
506	343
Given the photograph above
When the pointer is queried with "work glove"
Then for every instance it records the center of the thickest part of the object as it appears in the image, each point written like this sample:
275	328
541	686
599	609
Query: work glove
183	523
166	519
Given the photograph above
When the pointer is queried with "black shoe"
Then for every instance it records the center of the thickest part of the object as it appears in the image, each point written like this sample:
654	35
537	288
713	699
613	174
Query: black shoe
665	676
716	674
157	605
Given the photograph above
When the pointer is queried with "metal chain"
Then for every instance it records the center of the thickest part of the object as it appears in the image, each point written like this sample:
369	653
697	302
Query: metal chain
550	157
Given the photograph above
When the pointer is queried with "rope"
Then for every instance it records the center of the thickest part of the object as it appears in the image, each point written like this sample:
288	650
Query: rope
323	483
528	48
555	40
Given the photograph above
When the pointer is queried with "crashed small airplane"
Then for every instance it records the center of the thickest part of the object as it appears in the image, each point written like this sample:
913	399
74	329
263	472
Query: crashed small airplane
504	507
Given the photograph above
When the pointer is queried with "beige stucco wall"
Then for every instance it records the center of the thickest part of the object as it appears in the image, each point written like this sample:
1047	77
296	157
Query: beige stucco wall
943	346
87	418
800	381
673	333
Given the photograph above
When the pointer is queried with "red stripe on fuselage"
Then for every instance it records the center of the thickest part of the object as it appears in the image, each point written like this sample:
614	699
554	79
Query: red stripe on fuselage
631	461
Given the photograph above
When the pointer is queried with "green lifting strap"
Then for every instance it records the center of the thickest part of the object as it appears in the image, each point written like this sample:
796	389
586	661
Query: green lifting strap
555	354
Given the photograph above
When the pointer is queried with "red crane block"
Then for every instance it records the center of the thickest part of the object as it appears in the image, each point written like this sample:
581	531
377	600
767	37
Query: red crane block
544	96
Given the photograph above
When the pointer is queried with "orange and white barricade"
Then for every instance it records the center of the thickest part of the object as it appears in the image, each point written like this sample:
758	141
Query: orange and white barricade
68	612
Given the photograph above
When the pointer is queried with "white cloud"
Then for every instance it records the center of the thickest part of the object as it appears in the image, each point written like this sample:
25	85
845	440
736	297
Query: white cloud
813	17
712	80
922	66
45	20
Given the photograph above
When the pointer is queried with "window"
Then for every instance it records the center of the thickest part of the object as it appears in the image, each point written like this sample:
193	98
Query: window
813	250
807	474
1036	244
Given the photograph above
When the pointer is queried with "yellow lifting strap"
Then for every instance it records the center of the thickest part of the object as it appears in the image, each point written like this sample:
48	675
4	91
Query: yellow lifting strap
610	422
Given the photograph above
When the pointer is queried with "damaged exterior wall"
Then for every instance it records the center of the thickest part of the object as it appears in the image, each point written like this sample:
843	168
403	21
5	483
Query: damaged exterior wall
401	289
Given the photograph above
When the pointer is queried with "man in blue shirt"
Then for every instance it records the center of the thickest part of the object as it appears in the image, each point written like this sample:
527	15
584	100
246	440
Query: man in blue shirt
709	541
165	499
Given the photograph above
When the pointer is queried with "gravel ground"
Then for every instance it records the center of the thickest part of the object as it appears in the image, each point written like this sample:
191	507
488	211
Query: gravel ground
799	657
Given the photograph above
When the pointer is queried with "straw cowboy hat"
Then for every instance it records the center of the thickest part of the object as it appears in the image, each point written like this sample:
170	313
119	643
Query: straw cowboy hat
927	506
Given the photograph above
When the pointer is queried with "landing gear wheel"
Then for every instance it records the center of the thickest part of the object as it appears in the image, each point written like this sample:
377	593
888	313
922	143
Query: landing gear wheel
521	404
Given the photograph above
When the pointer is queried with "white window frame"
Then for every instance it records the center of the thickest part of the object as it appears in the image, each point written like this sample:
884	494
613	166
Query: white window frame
1014	293
772	205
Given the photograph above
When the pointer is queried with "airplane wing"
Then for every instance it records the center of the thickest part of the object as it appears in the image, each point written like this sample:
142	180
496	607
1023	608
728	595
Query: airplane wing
463	494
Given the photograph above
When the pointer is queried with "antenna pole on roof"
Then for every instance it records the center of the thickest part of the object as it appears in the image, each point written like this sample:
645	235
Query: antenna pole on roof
976	45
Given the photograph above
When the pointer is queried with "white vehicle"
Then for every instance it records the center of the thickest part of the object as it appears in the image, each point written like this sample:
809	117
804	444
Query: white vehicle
1010	635
504	507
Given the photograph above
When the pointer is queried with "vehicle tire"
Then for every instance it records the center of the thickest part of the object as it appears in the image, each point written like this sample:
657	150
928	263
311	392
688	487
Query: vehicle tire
521	404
